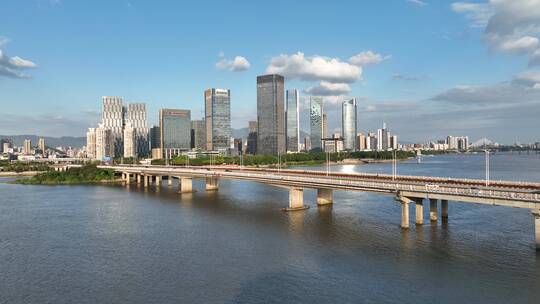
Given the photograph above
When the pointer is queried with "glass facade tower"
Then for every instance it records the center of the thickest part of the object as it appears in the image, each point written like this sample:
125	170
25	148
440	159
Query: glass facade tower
217	112
316	122
292	120
348	120
175	131
270	114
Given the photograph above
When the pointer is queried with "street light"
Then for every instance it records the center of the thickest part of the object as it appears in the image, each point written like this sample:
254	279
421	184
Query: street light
487	167
394	164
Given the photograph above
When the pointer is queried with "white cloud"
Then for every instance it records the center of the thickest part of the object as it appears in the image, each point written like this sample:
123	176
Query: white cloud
326	88
529	79
477	13
367	58
12	66
510	25
403	77
489	95
3	40
417	2
314	68
237	64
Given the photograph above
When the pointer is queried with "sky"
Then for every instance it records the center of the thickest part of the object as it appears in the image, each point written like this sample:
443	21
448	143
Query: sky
426	68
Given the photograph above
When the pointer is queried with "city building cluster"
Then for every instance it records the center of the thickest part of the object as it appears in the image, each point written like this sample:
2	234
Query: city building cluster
28	152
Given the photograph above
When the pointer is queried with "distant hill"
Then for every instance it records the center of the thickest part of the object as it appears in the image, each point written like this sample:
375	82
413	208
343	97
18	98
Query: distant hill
64	141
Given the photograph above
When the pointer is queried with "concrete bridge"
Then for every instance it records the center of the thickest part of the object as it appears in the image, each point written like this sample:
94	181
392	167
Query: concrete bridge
405	189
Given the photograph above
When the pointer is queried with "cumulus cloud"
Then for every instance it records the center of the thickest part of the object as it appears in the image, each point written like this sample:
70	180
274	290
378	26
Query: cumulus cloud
488	95
3	40
510	25
530	79
13	66
417	2
237	64
326	88
403	77
367	58
315	68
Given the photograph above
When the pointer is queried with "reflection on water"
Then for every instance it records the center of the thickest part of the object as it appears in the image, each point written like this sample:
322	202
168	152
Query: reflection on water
95	244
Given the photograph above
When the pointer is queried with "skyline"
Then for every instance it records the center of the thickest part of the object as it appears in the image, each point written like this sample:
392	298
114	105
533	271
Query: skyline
475	72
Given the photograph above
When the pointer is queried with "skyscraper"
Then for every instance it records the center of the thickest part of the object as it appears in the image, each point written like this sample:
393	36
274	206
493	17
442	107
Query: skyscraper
104	143
270	114
292	120
175	131
198	138
217	113
382	138
27	147
41	145
316	122
155	140
91	143
348	121
130	140
360	142
113	119
252	138
136	118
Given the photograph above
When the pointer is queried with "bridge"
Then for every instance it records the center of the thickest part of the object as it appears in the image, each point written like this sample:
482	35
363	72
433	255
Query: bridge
405	189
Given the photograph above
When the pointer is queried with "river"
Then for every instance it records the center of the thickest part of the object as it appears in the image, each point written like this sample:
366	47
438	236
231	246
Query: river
112	244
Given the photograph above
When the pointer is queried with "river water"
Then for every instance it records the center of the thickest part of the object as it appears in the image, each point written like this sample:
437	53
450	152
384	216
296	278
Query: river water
112	244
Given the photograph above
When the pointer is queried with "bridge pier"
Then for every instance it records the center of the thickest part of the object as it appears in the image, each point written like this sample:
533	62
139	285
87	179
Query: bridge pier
404	212
169	180
138	179
212	183
296	200
432	210
146	180
536	214
444	209
158	180
185	185
128	178
324	196
419	211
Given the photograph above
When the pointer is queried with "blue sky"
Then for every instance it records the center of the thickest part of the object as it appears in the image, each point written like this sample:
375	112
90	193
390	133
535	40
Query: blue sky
426	68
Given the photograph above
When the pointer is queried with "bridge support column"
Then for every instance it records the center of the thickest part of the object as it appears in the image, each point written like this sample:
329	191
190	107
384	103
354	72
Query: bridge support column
128	178
169	180
444	209
536	214
296	200
419	211
432	210
324	196
185	185
404	212
138	179
212	183
158	180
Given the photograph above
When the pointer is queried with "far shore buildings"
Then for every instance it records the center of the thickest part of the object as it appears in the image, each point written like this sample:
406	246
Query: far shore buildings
270	114
175	132
292	125
316	123
217	114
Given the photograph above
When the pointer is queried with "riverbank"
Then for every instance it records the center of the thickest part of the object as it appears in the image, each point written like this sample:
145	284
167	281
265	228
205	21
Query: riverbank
88	174
19	174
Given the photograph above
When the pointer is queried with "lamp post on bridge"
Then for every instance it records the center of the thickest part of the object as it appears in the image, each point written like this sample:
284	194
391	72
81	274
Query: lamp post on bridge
487	166
335	140
394	164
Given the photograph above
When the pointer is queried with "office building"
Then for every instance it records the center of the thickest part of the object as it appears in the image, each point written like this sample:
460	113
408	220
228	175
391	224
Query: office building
382	138
130	141
393	142
217	113
360	142
41	145
104	143
6	145
238	144
316	123
91	143
252	138
371	141
155	140
292	123
136	118
112	118
27	147
348	124
270	114
175	131
198	138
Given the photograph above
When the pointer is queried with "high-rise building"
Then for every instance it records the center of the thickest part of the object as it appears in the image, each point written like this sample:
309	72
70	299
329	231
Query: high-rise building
217	113
316	123
104	143
348	122
130	140
393	142
91	143
6	145
382	138
252	138
371	141
41	145
307	144
113	119
27	147
292	120
175	131
155	140
270	114
136	118
238	143
360	142
198	138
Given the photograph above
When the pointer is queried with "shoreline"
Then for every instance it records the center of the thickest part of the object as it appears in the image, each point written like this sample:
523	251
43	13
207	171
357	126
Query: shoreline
19	174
